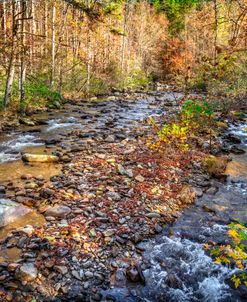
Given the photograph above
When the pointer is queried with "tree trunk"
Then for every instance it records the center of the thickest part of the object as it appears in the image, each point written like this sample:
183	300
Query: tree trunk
22	75
126	11
11	65
215	31
4	25
53	46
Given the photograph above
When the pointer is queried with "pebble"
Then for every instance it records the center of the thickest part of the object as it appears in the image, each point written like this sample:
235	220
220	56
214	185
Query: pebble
61	269
140	178
88	274
153	215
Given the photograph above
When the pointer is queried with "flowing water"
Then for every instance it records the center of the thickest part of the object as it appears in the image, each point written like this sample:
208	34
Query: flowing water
178	269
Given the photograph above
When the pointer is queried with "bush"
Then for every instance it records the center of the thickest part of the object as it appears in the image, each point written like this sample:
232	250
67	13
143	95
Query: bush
234	254
195	117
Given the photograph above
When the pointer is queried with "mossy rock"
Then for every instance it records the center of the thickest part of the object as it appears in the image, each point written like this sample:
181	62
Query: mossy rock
221	125
238	114
215	166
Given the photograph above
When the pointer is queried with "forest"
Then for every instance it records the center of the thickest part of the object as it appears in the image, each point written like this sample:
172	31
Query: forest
123	139
55	49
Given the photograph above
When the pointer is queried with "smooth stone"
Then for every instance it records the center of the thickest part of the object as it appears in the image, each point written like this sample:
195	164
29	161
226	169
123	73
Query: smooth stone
140	178
41	158
198	191
26	121
58	211
153	215
27	272
110	139
11	211
61	269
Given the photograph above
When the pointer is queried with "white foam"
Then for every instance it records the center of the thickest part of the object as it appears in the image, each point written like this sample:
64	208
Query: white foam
16	144
58	123
188	261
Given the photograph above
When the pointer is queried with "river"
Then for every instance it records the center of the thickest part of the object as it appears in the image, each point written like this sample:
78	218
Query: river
177	268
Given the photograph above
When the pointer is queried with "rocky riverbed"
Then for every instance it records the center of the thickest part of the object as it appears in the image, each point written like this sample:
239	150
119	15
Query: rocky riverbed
94	208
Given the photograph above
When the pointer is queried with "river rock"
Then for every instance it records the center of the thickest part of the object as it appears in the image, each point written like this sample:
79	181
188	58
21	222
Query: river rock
2	190
198	191
27	272
41	158
11	211
58	211
236	150
139	178
153	215
61	269
46	192
111	98
133	274
216	166
26	121
173	281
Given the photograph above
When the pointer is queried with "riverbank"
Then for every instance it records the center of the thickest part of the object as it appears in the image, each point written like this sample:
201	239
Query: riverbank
112	193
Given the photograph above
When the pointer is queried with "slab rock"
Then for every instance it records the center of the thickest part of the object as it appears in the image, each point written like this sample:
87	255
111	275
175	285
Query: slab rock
58	211
41	158
11	211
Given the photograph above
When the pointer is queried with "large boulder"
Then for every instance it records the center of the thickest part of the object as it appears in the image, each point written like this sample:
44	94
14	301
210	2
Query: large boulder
11	211
41	158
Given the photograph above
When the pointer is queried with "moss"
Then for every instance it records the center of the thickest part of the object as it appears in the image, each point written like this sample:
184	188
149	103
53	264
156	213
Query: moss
239	114
215	166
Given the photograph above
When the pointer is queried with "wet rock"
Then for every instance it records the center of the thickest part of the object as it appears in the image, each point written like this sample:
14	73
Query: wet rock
27	272
58	211
26	121
237	150
88	274
111	98
173	281
41	158
52	141
31	185
11	211
2	190
212	191
26	176
198	191
46	192
233	139
119	278
158	228
27	230
133	275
